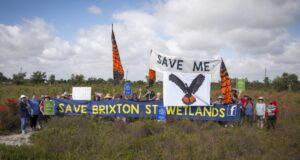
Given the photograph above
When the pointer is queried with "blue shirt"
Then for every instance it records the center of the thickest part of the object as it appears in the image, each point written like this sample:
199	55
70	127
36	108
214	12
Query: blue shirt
23	110
35	107
249	109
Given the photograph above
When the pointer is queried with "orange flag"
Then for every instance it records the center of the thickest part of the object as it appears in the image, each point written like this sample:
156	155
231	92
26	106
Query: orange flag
117	65
151	77
225	84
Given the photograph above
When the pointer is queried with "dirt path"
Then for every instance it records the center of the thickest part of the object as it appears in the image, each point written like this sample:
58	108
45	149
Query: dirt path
16	139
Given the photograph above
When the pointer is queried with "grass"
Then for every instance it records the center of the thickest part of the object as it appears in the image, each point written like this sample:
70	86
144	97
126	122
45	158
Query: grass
89	137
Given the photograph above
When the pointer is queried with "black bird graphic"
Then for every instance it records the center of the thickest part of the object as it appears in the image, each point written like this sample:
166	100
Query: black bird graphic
188	90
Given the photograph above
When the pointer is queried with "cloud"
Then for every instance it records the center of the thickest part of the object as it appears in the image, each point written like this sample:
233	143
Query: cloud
255	32
94	10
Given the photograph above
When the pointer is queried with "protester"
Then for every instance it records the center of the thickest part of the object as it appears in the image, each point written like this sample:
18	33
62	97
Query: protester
243	101
219	100
158	96
23	110
108	97
45	118
249	111
271	118
149	94
276	110
134	97
118	97
260	110
35	111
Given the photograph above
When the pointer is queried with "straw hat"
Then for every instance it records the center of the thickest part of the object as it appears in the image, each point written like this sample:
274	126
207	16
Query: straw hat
107	96
260	98
220	97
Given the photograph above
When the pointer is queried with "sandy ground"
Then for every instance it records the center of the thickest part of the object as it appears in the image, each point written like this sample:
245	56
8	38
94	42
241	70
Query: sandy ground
16	139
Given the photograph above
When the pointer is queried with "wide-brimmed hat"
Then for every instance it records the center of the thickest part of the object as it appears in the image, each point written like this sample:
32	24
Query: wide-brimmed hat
220	97
22	96
107	96
46	96
260	98
98	94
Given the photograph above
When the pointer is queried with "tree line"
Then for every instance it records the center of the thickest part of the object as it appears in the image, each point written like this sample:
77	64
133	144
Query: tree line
284	82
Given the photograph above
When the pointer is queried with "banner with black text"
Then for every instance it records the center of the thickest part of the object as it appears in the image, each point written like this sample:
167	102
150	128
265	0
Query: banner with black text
160	62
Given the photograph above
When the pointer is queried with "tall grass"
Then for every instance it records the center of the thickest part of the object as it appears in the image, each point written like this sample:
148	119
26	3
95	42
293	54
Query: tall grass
89	137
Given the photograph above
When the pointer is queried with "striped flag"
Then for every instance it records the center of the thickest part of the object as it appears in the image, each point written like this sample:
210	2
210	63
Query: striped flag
151	77
225	84
117	65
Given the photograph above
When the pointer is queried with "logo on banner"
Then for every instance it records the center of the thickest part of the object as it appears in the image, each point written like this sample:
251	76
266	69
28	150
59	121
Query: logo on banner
188	90
231	110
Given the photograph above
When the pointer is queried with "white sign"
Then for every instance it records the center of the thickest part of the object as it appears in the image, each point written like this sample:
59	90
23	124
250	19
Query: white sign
81	93
186	89
160	63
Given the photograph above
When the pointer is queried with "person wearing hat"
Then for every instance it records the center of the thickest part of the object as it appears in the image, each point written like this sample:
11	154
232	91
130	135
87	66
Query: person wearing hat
108	97
260	110
23	110
219	100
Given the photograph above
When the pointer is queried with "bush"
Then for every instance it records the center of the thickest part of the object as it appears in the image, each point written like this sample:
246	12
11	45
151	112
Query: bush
9	115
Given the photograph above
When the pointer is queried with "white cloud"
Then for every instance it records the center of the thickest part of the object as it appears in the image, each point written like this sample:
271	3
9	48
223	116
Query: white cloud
255	30
94	10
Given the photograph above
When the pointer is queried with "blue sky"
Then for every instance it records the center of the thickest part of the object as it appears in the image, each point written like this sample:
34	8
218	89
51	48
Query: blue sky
68	16
250	35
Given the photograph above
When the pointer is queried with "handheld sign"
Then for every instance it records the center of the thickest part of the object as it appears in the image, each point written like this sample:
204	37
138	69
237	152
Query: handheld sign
240	84
49	108
82	93
128	89
161	113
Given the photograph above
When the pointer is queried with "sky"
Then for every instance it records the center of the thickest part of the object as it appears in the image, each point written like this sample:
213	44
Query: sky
62	37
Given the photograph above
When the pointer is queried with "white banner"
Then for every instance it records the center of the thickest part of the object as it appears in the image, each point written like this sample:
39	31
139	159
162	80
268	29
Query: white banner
186	89
160	63
81	93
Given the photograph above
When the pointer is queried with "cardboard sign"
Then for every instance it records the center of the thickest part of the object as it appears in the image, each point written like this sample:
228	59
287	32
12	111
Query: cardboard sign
82	93
49	108
240	84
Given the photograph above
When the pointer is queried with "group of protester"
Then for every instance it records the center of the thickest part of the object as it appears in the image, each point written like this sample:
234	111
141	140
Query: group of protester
33	109
260	112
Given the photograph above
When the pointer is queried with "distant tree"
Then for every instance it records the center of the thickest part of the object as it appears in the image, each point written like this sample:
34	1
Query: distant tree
77	79
110	80
19	78
2	77
100	80
92	80
52	79
286	82
38	77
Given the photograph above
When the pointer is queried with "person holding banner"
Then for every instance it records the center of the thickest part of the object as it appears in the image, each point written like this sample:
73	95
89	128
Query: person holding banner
35	111
260	109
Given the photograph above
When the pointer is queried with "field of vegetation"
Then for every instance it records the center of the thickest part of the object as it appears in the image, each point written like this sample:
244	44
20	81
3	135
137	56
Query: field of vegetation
89	137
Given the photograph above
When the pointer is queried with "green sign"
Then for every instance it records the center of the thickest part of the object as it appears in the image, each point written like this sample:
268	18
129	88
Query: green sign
240	84
48	107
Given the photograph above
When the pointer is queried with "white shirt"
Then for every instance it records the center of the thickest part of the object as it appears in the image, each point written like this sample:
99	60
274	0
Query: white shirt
260	109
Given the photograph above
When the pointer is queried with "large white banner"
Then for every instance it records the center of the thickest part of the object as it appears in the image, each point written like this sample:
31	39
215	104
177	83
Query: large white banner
186	89
81	93
160	62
